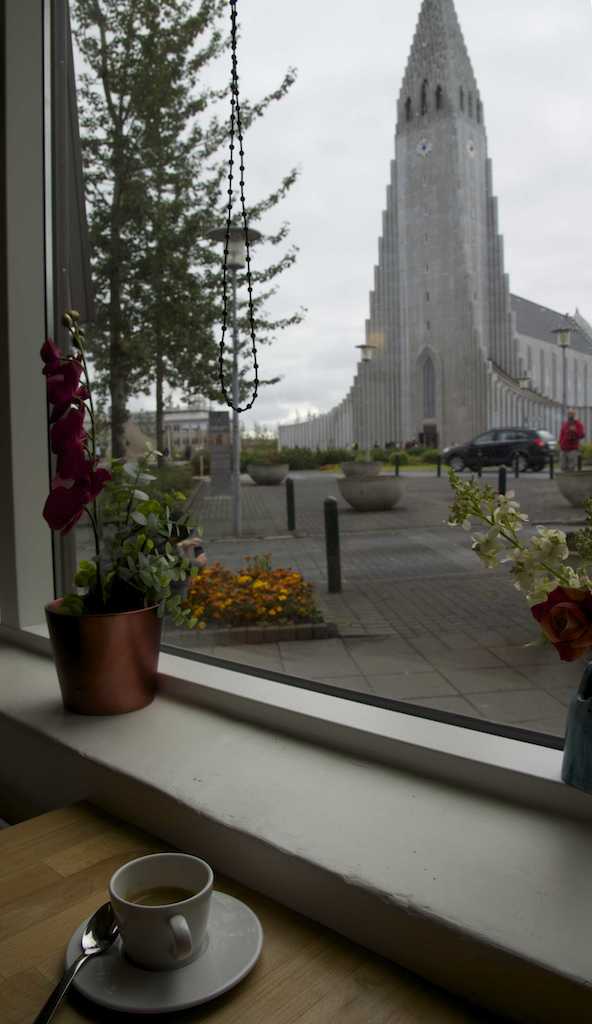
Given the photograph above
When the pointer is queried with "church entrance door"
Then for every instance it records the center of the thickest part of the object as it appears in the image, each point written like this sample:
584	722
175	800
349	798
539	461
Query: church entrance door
430	435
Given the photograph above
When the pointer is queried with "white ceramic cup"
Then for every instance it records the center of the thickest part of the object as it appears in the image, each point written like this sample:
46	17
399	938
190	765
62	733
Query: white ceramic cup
164	937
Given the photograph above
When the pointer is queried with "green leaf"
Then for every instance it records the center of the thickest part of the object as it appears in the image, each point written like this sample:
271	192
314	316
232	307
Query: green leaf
140	495
139	518
72	604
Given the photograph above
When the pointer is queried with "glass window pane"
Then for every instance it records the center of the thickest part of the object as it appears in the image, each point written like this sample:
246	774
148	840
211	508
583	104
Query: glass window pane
385	387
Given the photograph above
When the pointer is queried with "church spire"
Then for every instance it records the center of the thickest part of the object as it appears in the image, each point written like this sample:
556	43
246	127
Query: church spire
439	73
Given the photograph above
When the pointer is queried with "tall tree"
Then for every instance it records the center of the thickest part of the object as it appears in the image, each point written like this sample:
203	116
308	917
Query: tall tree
155	171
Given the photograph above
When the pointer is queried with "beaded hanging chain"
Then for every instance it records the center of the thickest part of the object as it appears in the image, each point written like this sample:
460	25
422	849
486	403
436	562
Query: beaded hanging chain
235	119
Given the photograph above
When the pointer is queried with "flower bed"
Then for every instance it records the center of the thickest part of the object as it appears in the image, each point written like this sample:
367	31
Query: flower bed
256	596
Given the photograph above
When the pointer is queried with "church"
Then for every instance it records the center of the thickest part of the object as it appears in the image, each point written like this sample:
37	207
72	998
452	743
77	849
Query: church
449	351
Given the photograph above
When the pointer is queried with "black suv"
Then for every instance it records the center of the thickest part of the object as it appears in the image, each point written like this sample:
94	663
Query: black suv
501	447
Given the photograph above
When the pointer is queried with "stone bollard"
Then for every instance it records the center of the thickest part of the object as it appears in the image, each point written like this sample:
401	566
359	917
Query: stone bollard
551	466
332	545
502	480
290	504
439	466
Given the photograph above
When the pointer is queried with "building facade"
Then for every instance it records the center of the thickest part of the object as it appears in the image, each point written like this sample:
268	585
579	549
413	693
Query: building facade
451	346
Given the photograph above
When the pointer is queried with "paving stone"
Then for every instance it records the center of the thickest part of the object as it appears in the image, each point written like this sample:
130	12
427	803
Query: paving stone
412	684
554	726
486	637
487	680
456	705
564	694
521	655
560	675
357	684
517	706
255	655
478	658
383	657
427	644
457	641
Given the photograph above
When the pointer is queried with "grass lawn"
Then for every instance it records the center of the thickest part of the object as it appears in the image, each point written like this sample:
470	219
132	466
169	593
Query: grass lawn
417	467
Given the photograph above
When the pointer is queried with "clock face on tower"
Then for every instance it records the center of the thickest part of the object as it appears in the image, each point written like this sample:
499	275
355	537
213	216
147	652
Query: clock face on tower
424	147
471	148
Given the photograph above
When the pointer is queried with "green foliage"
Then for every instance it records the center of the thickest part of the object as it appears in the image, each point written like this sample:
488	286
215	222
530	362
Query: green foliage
538	566
155	156
586	451
429	456
139	563
172	477
264	459
404	459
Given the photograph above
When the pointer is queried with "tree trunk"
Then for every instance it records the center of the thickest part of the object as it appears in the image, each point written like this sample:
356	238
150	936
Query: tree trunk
117	384
159	376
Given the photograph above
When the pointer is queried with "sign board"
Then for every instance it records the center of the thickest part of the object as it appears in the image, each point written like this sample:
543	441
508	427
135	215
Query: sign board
219	447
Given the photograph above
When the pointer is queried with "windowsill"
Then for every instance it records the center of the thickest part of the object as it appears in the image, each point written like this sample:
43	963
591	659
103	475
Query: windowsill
477	893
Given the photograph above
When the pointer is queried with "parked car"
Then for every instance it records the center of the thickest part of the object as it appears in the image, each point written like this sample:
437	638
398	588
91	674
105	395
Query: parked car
501	447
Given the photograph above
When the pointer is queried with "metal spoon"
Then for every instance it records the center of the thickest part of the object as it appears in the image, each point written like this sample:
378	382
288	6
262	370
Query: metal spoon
99	934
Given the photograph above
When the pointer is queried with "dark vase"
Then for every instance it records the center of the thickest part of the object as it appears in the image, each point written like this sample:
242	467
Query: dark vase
106	663
576	769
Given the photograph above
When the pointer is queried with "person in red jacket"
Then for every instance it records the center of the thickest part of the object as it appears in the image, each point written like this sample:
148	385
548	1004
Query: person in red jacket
571	434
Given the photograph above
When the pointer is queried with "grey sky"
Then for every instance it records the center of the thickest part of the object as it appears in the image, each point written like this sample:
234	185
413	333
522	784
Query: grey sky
532	61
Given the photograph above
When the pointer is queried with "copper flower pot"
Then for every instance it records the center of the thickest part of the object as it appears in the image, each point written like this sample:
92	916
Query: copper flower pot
106	664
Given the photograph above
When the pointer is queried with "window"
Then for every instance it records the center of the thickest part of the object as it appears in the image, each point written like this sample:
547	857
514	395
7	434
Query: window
512	435
470	104
479	112
358	422
439	98
424	97
554	375
462	98
487	438
429	389
408	108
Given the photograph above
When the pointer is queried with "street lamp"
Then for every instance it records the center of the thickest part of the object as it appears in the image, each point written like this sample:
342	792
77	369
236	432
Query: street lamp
236	260
367	352
524	385
564	341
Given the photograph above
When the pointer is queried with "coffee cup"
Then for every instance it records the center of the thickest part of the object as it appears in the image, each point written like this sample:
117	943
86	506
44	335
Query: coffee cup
161	903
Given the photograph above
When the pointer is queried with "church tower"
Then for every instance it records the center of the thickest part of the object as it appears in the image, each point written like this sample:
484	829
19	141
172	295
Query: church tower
441	328
440	309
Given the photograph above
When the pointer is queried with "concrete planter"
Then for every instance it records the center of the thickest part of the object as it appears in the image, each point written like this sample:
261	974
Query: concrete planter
575	487
361	470
268	476
372	494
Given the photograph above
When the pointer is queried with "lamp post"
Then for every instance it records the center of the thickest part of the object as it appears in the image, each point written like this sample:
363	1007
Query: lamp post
367	351
564	341
236	260
524	384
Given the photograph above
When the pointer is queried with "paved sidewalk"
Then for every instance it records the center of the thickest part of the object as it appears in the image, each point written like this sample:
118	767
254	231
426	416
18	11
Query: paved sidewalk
425	503
485	674
420	620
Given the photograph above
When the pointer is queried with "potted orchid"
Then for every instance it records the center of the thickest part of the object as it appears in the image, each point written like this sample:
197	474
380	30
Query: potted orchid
559	593
106	634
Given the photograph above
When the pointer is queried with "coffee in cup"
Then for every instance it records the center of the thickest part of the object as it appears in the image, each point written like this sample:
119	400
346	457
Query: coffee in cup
161	903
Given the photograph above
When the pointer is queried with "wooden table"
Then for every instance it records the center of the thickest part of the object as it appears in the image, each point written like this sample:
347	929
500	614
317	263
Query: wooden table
54	871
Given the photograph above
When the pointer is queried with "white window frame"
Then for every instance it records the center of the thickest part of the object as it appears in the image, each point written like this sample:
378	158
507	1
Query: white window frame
414	739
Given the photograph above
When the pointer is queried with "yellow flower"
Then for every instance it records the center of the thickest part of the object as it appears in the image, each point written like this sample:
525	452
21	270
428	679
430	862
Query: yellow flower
244	579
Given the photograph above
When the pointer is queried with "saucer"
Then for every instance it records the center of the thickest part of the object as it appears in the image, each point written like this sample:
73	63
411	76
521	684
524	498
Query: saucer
232	947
